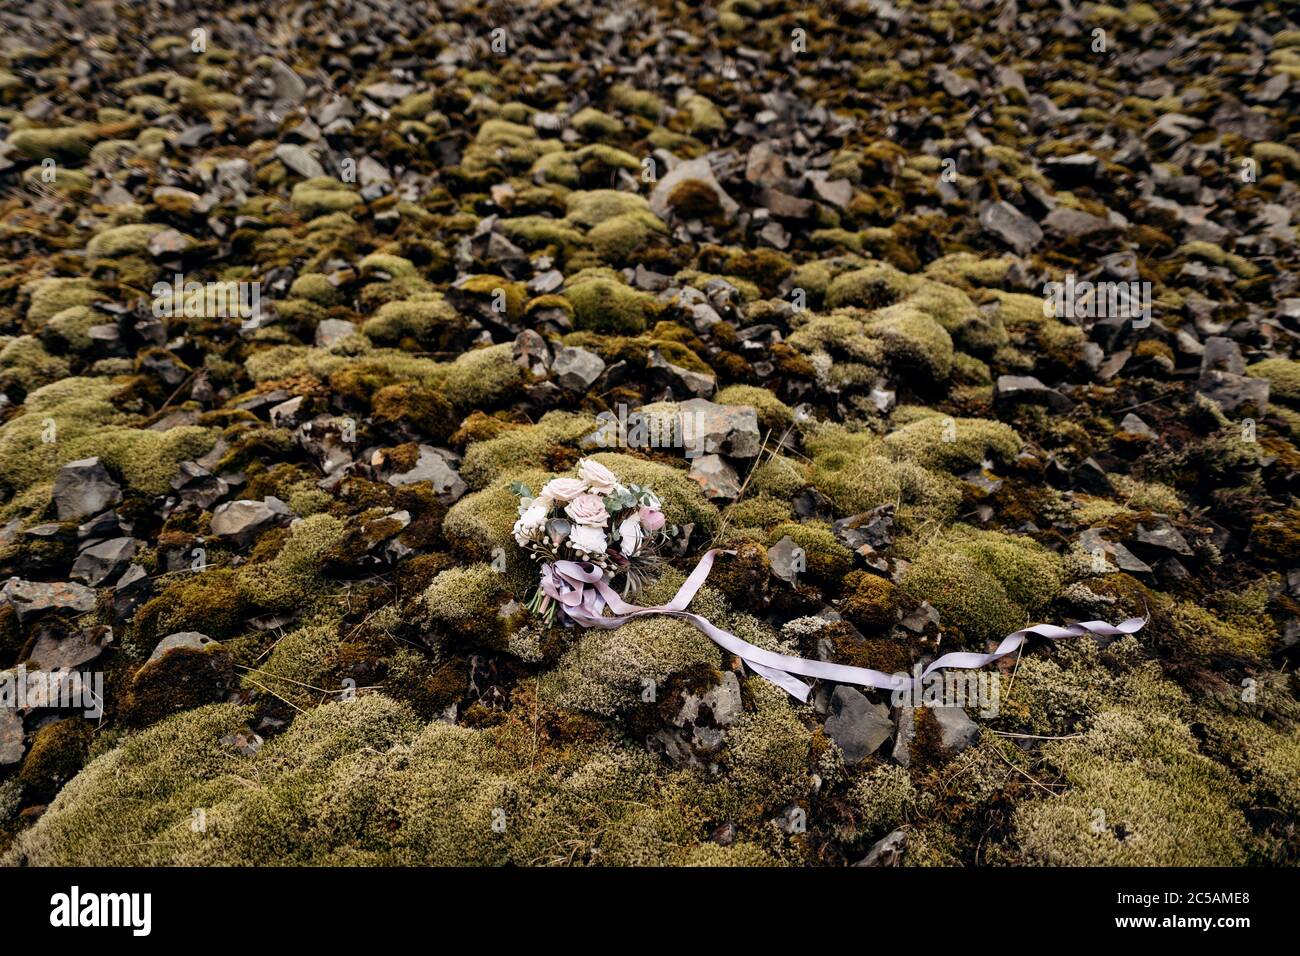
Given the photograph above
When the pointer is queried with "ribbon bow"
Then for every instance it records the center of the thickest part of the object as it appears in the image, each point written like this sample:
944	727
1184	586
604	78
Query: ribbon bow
583	594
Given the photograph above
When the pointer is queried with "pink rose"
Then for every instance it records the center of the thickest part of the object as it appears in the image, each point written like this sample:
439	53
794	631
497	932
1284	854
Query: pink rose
588	510
599	478
564	489
651	519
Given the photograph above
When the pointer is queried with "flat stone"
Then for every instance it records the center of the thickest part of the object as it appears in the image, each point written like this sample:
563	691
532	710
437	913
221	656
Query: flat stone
1006	222
67	653
436	466
32	598
1026	388
956	731
694	170
1092	542
889	850
102	563
193	640
1136	426
715	477
330	331
576	368
788	560
700	384
1163	535
244	520
11	737
83	488
1076	224
857	725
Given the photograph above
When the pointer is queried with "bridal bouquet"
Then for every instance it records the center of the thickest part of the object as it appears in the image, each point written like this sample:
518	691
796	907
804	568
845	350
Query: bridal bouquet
592	518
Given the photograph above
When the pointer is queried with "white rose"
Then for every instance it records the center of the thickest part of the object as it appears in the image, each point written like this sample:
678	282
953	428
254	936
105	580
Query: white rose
599	479
587	539
532	521
564	489
629	533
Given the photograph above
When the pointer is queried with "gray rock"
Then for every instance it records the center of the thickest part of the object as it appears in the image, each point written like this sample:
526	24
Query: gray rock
788	559
696	170
133	588
730	430
717	478
330	331
297	160
11	737
102	563
530	351
1026	388
1163	535
1136	426
30	599
1075	224
83	488
1234	392
576	368
1124	559
1006	222
1222	355
192	640
52	653
244	520
857	725
887	851
700	384
956	731
438	467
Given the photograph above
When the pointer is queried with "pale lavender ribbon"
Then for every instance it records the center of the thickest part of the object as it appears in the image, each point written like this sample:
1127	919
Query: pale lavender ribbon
581	591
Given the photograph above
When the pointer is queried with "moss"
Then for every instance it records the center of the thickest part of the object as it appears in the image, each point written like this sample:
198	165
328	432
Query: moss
870	602
827	560
701	116
774	415
594	124
86	426
551	444
1283	377
606	305
759	511
737	854
25	363
985	583
881	799
954	444
209	602
183	678
778	476
58	751
321	195
415	406
642	102
1140	795
292	580
913	341
471	603
68	143
315	287
617	239
852	469
129	240
72	327
607	671
50	296
873	287
428	322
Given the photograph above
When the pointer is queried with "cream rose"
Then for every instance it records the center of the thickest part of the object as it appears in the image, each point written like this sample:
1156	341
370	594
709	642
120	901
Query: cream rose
587	539
564	489
598	478
588	510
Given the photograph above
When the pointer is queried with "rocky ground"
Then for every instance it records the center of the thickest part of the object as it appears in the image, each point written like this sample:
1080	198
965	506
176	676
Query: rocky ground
284	540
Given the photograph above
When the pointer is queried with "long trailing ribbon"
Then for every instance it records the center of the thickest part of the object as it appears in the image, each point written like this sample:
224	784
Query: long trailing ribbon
582	593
